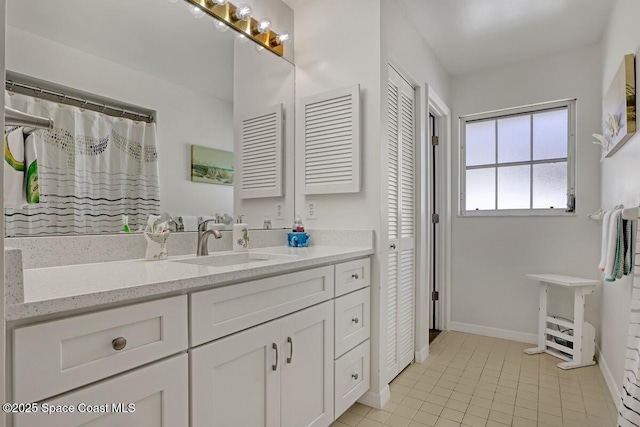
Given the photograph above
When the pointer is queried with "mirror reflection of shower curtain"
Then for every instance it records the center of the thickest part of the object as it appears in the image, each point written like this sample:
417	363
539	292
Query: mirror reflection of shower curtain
93	168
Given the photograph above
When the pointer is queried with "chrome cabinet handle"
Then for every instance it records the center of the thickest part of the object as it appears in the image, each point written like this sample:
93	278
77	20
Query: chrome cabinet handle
355	376
290	358
392	246
119	343
355	320
355	276
275	365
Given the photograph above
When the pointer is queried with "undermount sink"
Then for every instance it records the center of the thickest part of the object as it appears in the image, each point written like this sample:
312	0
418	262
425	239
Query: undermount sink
229	259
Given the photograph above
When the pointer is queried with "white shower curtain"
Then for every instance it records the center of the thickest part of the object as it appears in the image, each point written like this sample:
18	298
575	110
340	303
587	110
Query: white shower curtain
93	168
629	410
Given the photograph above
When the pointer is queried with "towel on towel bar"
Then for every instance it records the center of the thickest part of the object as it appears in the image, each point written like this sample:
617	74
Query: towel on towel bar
619	252
606	223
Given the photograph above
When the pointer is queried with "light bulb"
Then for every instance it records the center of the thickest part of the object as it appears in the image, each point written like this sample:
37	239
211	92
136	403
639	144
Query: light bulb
242	38
259	48
197	12
281	38
219	2
243	12
221	26
263	25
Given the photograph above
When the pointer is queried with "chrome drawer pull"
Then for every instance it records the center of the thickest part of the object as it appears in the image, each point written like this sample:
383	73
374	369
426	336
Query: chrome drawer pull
355	276
355	320
290	358
119	343
355	376
275	365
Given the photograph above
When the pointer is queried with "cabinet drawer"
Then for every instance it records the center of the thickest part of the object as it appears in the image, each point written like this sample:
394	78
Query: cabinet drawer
223	311
352	275
53	357
351	377
352	320
158	393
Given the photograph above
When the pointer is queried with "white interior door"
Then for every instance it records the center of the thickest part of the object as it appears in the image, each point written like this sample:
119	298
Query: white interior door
398	274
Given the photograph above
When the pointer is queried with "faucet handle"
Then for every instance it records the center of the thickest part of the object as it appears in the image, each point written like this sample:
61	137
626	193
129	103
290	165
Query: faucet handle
203	225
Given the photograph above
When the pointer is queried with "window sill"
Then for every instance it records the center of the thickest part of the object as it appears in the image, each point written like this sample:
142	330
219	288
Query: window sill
517	213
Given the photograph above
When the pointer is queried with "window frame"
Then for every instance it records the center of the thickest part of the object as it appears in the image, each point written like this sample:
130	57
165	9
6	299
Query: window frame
570	104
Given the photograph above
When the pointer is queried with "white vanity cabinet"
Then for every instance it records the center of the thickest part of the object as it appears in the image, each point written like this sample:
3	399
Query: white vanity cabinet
153	396
276	374
352	333
279	351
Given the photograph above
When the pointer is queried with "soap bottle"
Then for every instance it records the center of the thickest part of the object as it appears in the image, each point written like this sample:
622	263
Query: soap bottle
297	224
240	235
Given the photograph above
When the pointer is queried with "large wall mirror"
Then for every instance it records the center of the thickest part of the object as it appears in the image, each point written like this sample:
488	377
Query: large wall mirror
160	58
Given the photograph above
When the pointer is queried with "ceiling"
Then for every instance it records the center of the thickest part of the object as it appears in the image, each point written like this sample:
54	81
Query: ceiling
156	37
469	35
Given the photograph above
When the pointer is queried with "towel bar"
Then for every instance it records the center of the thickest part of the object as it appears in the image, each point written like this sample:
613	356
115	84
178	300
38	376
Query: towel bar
627	213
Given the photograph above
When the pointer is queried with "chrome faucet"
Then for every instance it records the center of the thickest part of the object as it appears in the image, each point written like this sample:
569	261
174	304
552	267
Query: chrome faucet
203	237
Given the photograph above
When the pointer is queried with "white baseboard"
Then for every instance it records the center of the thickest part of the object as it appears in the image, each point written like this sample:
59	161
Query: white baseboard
376	400
487	331
422	354
608	378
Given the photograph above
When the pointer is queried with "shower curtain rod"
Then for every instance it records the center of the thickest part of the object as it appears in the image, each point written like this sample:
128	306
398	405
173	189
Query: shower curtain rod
10	84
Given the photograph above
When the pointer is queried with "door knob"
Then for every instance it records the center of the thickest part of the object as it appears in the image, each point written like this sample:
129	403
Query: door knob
355	276
355	320
392	246
355	376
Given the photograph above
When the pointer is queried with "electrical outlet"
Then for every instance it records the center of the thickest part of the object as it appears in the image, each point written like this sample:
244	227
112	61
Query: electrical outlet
312	209
279	211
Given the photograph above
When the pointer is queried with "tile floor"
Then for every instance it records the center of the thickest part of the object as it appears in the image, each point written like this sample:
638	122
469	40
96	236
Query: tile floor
475	381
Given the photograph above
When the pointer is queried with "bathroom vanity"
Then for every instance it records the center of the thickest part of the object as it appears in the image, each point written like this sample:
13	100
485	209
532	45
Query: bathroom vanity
272	337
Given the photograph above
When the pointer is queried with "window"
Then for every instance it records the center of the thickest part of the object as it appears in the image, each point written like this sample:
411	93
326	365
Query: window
518	161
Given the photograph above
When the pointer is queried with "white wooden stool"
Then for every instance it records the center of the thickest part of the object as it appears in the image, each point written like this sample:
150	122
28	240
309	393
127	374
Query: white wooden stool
583	338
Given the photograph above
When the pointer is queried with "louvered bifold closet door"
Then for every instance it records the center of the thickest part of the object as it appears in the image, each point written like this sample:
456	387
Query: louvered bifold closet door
400	225
329	136
261	155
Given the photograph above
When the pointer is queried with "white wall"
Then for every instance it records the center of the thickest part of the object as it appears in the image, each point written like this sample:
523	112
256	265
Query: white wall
491	254
335	50
620	185
184	117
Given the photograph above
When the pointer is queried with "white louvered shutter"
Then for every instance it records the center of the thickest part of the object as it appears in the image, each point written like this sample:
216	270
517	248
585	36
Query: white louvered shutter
260	153
399	193
329	136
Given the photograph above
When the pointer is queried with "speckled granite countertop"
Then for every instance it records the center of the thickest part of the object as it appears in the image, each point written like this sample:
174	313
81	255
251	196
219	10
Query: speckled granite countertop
67	288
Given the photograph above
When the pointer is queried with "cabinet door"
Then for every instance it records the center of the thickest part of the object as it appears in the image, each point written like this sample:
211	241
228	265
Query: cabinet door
235	381
307	367
159	394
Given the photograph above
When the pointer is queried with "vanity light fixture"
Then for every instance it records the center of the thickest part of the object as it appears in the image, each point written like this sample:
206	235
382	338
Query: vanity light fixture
239	18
